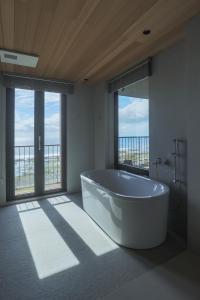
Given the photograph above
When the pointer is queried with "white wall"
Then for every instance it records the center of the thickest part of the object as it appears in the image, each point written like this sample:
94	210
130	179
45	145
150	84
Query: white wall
174	90
167	112
80	143
167	121
2	145
174	113
192	84
103	127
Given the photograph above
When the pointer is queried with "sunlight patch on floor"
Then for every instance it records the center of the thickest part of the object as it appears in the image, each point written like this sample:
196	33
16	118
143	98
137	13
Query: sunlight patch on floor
58	200
27	206
49	251
86	228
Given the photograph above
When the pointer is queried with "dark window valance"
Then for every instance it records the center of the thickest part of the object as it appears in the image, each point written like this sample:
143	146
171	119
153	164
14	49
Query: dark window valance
134	74
13	80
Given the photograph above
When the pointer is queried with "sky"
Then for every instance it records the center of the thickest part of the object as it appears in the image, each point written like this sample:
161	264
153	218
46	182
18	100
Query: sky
133	116
24	117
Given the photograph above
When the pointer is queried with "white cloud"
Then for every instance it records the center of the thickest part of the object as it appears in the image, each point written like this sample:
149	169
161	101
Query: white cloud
52	129
24	129
24	117
134	118
24	97
136	111
52	98
53	121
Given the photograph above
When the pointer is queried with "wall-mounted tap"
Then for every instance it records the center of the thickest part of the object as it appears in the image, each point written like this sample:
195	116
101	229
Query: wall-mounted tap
157	161
177	163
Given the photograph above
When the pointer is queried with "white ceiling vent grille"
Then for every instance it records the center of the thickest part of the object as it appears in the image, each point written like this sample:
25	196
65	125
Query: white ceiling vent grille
21	59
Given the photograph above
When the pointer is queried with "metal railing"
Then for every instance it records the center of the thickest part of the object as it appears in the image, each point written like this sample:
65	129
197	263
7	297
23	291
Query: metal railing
52	164
134	151
25	167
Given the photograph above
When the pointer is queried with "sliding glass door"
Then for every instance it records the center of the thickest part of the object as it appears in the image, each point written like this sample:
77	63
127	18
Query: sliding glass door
52	141
35	143
24	142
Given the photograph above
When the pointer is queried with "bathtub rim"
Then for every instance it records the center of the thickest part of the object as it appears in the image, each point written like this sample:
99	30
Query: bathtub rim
127	197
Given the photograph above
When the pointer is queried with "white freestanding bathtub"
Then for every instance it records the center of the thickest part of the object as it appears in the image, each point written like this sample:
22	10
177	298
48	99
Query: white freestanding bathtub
131	209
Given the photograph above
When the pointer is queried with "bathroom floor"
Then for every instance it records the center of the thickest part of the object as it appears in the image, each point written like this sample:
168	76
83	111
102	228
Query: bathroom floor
51	249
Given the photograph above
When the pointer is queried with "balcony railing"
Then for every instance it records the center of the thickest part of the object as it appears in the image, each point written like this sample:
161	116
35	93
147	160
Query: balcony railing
52	165
24	168
134	151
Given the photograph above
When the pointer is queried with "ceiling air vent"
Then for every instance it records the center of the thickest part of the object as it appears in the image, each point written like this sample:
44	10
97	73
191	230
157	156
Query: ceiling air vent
16	58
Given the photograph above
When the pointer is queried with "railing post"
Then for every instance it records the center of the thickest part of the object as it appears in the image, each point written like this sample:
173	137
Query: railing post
24	165
139	150
134	149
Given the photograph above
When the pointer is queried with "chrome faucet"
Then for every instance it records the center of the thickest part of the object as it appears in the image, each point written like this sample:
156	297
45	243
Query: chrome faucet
157	161
176	154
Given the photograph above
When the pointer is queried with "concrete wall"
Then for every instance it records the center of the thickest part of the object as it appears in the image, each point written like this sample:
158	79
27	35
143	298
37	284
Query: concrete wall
167	111
80	145
2	145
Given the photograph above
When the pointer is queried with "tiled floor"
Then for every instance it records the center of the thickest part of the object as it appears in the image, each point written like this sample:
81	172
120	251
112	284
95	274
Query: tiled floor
51	249
177	279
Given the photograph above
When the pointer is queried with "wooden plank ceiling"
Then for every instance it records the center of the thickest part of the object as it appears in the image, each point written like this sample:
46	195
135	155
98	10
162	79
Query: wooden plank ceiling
93	39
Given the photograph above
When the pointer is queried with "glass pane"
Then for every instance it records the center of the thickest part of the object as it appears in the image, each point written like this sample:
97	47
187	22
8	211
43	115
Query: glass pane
133	138
52	141
24	141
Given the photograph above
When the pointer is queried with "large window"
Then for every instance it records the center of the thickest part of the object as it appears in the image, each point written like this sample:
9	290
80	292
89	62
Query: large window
132	127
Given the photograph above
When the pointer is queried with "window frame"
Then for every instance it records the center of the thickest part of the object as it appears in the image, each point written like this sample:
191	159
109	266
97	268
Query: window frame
39	175
117	165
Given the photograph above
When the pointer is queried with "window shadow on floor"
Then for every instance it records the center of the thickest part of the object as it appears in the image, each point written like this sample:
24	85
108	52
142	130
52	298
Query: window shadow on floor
94	276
